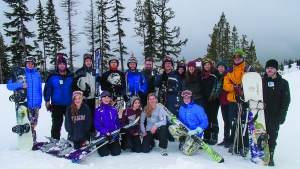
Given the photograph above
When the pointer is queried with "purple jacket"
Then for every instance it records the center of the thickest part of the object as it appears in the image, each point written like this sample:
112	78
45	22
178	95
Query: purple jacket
106	119
128	116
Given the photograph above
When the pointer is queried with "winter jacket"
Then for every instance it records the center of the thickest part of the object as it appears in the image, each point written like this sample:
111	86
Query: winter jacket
58	88
207	83
34	89
194	86
136	83
234	77
85	79
276	98
150	77
106	119
193	116
128	116
171	85
79	125
158	118
113	81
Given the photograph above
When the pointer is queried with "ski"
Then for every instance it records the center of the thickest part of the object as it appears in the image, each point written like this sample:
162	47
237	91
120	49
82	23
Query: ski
217	157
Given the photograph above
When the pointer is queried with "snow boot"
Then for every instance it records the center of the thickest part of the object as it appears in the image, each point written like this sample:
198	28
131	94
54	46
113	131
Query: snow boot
163	152
181	142
244	152
214	139
223	143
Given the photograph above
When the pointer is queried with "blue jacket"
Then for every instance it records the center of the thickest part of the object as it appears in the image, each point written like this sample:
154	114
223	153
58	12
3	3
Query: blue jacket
136	82
193	116
34	89
79	125
58	88
106	119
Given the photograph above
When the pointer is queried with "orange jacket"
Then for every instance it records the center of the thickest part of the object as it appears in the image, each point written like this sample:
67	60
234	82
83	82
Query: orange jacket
233	78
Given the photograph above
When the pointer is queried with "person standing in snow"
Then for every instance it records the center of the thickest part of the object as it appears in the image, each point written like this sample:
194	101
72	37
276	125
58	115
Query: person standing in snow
85	81
58	90
149	74
106	121
78	120
131	139
33	85
277	98
194	117
155	117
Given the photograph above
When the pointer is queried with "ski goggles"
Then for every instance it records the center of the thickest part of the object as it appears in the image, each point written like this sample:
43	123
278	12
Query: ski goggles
87	56
206	60
186	93
167	58
181	64
104	94
77	93
30	59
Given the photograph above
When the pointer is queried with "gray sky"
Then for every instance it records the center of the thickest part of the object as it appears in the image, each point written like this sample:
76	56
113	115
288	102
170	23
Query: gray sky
272	24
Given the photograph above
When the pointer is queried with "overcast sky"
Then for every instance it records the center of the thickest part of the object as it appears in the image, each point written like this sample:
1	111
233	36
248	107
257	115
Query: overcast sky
274	25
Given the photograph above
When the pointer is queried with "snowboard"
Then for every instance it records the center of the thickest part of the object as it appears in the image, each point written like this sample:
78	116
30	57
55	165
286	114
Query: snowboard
258	137
217	157
25	140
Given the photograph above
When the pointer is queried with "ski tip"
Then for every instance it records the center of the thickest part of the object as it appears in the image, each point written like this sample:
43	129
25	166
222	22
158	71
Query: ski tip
76	161
222	160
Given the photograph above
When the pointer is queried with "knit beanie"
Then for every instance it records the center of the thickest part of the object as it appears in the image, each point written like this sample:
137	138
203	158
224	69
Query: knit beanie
238	52
61	59
77	93
272	63
132	99
181	65
222	63
191	63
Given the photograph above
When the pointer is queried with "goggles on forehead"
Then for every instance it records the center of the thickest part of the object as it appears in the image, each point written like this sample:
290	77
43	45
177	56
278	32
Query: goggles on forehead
30	59
181	64
104	94
167	58
186	93
205	60
87	56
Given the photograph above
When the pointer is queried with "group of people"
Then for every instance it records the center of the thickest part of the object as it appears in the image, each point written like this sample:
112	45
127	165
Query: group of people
191	94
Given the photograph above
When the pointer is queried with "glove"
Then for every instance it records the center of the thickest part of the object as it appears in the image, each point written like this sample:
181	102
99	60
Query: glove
110	138
281	118
86	93
197	131
238	89
126	98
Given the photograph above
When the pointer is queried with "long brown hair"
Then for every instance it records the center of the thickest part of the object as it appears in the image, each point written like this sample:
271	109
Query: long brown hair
74	110
148	109
191	77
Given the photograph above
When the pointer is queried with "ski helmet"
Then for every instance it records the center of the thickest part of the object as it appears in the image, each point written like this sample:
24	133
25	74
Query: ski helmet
167	59
132	59
30	59
113	58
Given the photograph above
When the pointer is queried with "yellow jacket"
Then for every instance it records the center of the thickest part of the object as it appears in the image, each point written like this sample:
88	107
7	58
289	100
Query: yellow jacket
233	78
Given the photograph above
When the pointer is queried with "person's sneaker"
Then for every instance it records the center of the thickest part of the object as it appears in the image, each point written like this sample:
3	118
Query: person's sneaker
163	152
223	143
244	152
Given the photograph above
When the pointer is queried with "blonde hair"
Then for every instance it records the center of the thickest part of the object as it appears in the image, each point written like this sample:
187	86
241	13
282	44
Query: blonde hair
148	109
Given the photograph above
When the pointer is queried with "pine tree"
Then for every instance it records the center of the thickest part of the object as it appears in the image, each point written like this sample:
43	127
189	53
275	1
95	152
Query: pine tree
90	26
17	30
53	40
212	48
103	34
4	62
117	18
40	17
150	46
69	7
165	35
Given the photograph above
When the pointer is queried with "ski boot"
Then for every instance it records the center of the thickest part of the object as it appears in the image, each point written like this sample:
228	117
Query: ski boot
21	129
181	142
271	162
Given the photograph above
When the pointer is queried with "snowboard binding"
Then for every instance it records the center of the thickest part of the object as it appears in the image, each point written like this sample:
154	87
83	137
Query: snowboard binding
21	129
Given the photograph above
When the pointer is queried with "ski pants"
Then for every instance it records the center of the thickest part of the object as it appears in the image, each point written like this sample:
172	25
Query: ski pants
189	147
131	142
33	118
148	140
91	103
272	130
225	116
57	120
113	148
211	108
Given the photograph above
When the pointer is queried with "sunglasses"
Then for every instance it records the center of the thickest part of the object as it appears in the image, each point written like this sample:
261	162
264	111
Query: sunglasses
87	56
186	93
30	59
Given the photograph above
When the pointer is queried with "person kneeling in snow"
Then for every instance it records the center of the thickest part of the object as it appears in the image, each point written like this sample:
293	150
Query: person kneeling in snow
194	117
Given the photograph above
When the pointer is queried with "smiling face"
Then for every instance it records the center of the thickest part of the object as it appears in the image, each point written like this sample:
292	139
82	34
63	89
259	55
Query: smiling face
187	99
136	104
88	63
152	100
29	65
237	59
105	99
207	66
77	101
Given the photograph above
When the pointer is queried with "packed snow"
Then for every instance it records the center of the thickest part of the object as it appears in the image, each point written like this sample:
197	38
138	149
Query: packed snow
286	153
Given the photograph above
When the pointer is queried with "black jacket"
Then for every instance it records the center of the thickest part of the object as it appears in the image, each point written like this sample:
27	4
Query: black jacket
277	99
113	81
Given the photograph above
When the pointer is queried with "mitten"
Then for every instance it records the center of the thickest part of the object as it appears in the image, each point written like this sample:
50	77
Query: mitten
197	131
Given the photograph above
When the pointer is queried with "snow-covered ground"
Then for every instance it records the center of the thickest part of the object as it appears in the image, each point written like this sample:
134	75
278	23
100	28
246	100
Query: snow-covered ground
286	155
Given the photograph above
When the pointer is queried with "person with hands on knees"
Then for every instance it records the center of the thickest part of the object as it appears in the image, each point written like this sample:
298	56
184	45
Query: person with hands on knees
131	138
78	120
106	121
277	98
155	128
193	116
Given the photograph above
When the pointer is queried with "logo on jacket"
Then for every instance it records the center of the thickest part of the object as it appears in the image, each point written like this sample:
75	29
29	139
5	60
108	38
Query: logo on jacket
114	79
